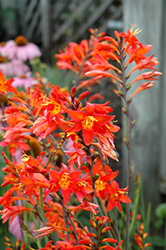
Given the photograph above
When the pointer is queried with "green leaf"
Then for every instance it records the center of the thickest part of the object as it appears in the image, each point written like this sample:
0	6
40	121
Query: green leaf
8	13
161	210
157	241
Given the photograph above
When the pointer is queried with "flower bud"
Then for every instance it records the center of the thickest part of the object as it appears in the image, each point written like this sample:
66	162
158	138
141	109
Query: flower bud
125	139
73	91
129	100
132	124
96	154
120	93
83	95
128	86
124	110
96	177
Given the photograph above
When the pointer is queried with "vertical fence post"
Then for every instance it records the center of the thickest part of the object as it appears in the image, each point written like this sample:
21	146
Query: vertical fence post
150	128
46	25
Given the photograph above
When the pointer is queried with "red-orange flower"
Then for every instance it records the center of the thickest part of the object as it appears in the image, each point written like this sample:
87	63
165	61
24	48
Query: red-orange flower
90	122
33	183
5	85
49	246
117	195
11	212
143	86
52	117
102	183
63	245
64	180
147	76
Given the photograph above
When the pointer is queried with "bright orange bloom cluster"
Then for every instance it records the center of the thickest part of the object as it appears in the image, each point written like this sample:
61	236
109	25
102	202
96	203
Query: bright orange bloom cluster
128	45
140	239
58	145
77	58
32	124
93	121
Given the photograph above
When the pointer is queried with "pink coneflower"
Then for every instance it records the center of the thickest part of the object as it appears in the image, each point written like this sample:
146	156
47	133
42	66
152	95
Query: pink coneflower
12	68
6	46
15	228
24	50
25	81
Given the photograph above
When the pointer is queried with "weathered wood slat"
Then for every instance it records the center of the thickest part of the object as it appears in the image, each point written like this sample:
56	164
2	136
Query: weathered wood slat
94	17
31	27
29	10
42	20
58	10
66	25
45	23
114	17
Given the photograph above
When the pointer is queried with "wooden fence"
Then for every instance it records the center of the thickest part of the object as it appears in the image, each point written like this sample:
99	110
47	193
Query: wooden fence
52	21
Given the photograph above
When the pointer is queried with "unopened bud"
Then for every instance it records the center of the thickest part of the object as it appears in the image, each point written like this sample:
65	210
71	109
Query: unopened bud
96	154
132	169
147	245
120	93
73	91
127	77
47	154
129	100
62	97
96	177
86	164
137	179
83	95
84	149
55	158
79	141
132	124
128	86
124	110
125	139
145	235
48	145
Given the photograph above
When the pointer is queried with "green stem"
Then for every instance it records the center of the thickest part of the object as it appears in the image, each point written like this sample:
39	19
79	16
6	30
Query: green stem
126	106
37	226
25	219
42	213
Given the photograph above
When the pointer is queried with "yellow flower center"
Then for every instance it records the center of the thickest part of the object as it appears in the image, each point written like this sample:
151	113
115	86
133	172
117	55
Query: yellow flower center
88	121
23	76
82	183
100	185
137	31
56	106
64	181
25	157
113	196
2	44
21	40
2	59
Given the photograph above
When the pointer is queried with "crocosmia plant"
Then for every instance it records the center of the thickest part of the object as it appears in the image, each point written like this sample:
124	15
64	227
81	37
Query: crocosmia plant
61	190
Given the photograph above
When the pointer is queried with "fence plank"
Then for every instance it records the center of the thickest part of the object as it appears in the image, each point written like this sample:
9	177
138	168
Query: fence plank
145	108
45	24
41	20
58	10
94	17
66	25
30	16
114	22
